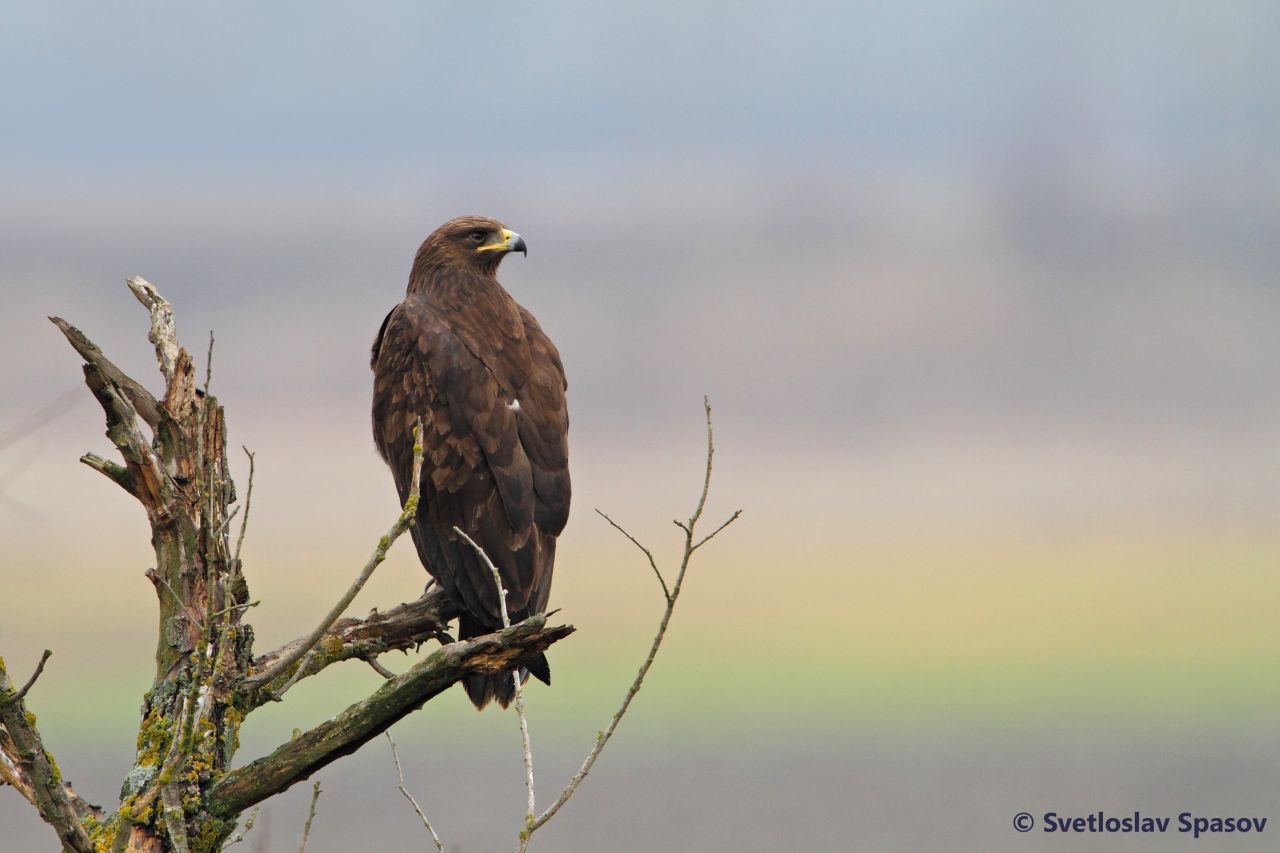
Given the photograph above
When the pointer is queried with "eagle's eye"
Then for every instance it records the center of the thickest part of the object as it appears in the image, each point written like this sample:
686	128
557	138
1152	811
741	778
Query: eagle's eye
477	236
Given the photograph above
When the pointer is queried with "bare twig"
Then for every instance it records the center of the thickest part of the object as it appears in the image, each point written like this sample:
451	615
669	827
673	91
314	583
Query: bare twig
208	365
21	694
248	504
711	452
236	607
497	578
395	754
311	815
191	613
705	539
226	522
689	547
379	668
666	593
244	830
532	808
403	523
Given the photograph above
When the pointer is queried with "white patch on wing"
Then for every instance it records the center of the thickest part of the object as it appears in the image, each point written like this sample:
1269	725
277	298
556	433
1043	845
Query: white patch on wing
514	405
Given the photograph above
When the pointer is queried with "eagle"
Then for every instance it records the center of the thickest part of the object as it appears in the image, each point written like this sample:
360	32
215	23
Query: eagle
473	364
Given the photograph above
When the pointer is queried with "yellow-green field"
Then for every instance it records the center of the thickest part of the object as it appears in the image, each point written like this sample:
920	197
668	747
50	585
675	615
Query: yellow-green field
891	638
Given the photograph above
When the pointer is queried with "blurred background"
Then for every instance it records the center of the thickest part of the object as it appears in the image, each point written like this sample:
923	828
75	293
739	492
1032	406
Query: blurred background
983	295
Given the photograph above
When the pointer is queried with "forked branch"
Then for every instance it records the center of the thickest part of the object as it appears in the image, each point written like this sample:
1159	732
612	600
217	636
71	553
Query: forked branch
671	597
534	821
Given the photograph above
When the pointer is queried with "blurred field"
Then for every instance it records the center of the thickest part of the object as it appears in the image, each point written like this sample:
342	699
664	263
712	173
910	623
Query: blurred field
983	294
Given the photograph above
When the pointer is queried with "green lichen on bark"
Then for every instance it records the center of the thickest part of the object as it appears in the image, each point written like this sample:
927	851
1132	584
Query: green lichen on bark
180	792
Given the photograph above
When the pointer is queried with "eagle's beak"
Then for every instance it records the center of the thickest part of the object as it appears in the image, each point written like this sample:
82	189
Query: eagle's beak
510	242
514	242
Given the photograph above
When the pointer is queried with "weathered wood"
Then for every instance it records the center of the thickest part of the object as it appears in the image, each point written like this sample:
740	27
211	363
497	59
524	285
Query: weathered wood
403	627
365	720
34	770
180	796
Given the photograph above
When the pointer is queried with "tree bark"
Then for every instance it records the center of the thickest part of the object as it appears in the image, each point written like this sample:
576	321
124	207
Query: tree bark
182	795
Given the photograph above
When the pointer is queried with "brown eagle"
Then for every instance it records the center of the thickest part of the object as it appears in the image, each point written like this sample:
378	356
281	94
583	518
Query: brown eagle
488	384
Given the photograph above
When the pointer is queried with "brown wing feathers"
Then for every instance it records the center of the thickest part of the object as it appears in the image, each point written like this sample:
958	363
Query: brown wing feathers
460	354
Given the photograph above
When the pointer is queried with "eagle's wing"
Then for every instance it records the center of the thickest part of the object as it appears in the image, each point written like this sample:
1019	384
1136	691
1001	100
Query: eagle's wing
544	429
489	459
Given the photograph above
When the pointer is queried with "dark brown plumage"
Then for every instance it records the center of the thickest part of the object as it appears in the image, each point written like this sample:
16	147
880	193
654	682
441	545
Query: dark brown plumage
476	367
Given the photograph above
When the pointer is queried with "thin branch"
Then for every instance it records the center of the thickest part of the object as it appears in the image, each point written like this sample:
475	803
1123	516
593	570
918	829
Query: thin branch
236	607
226	522
603	737
379	668
706	479
248	504
343	734
306	831
403	523
21	694
395	754
532	808
244	830
666	593
497	578
208	365
705	539
190	612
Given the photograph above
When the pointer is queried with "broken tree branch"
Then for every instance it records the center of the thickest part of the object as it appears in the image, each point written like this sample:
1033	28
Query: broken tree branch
164	333
348	731
38	772
401	628
139	397
181	795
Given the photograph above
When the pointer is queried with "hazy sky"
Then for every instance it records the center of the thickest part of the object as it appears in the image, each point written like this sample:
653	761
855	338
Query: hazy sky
984	294
906	234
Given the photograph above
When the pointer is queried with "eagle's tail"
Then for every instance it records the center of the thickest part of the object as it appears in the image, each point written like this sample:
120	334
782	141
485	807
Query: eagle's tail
500	686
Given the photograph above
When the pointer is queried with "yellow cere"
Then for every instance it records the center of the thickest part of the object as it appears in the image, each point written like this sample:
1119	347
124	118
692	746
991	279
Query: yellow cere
507	237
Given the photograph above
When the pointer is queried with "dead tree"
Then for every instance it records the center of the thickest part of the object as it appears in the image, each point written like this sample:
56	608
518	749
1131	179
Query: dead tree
183	793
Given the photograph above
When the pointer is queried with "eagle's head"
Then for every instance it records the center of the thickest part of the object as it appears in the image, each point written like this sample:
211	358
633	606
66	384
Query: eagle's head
469	242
